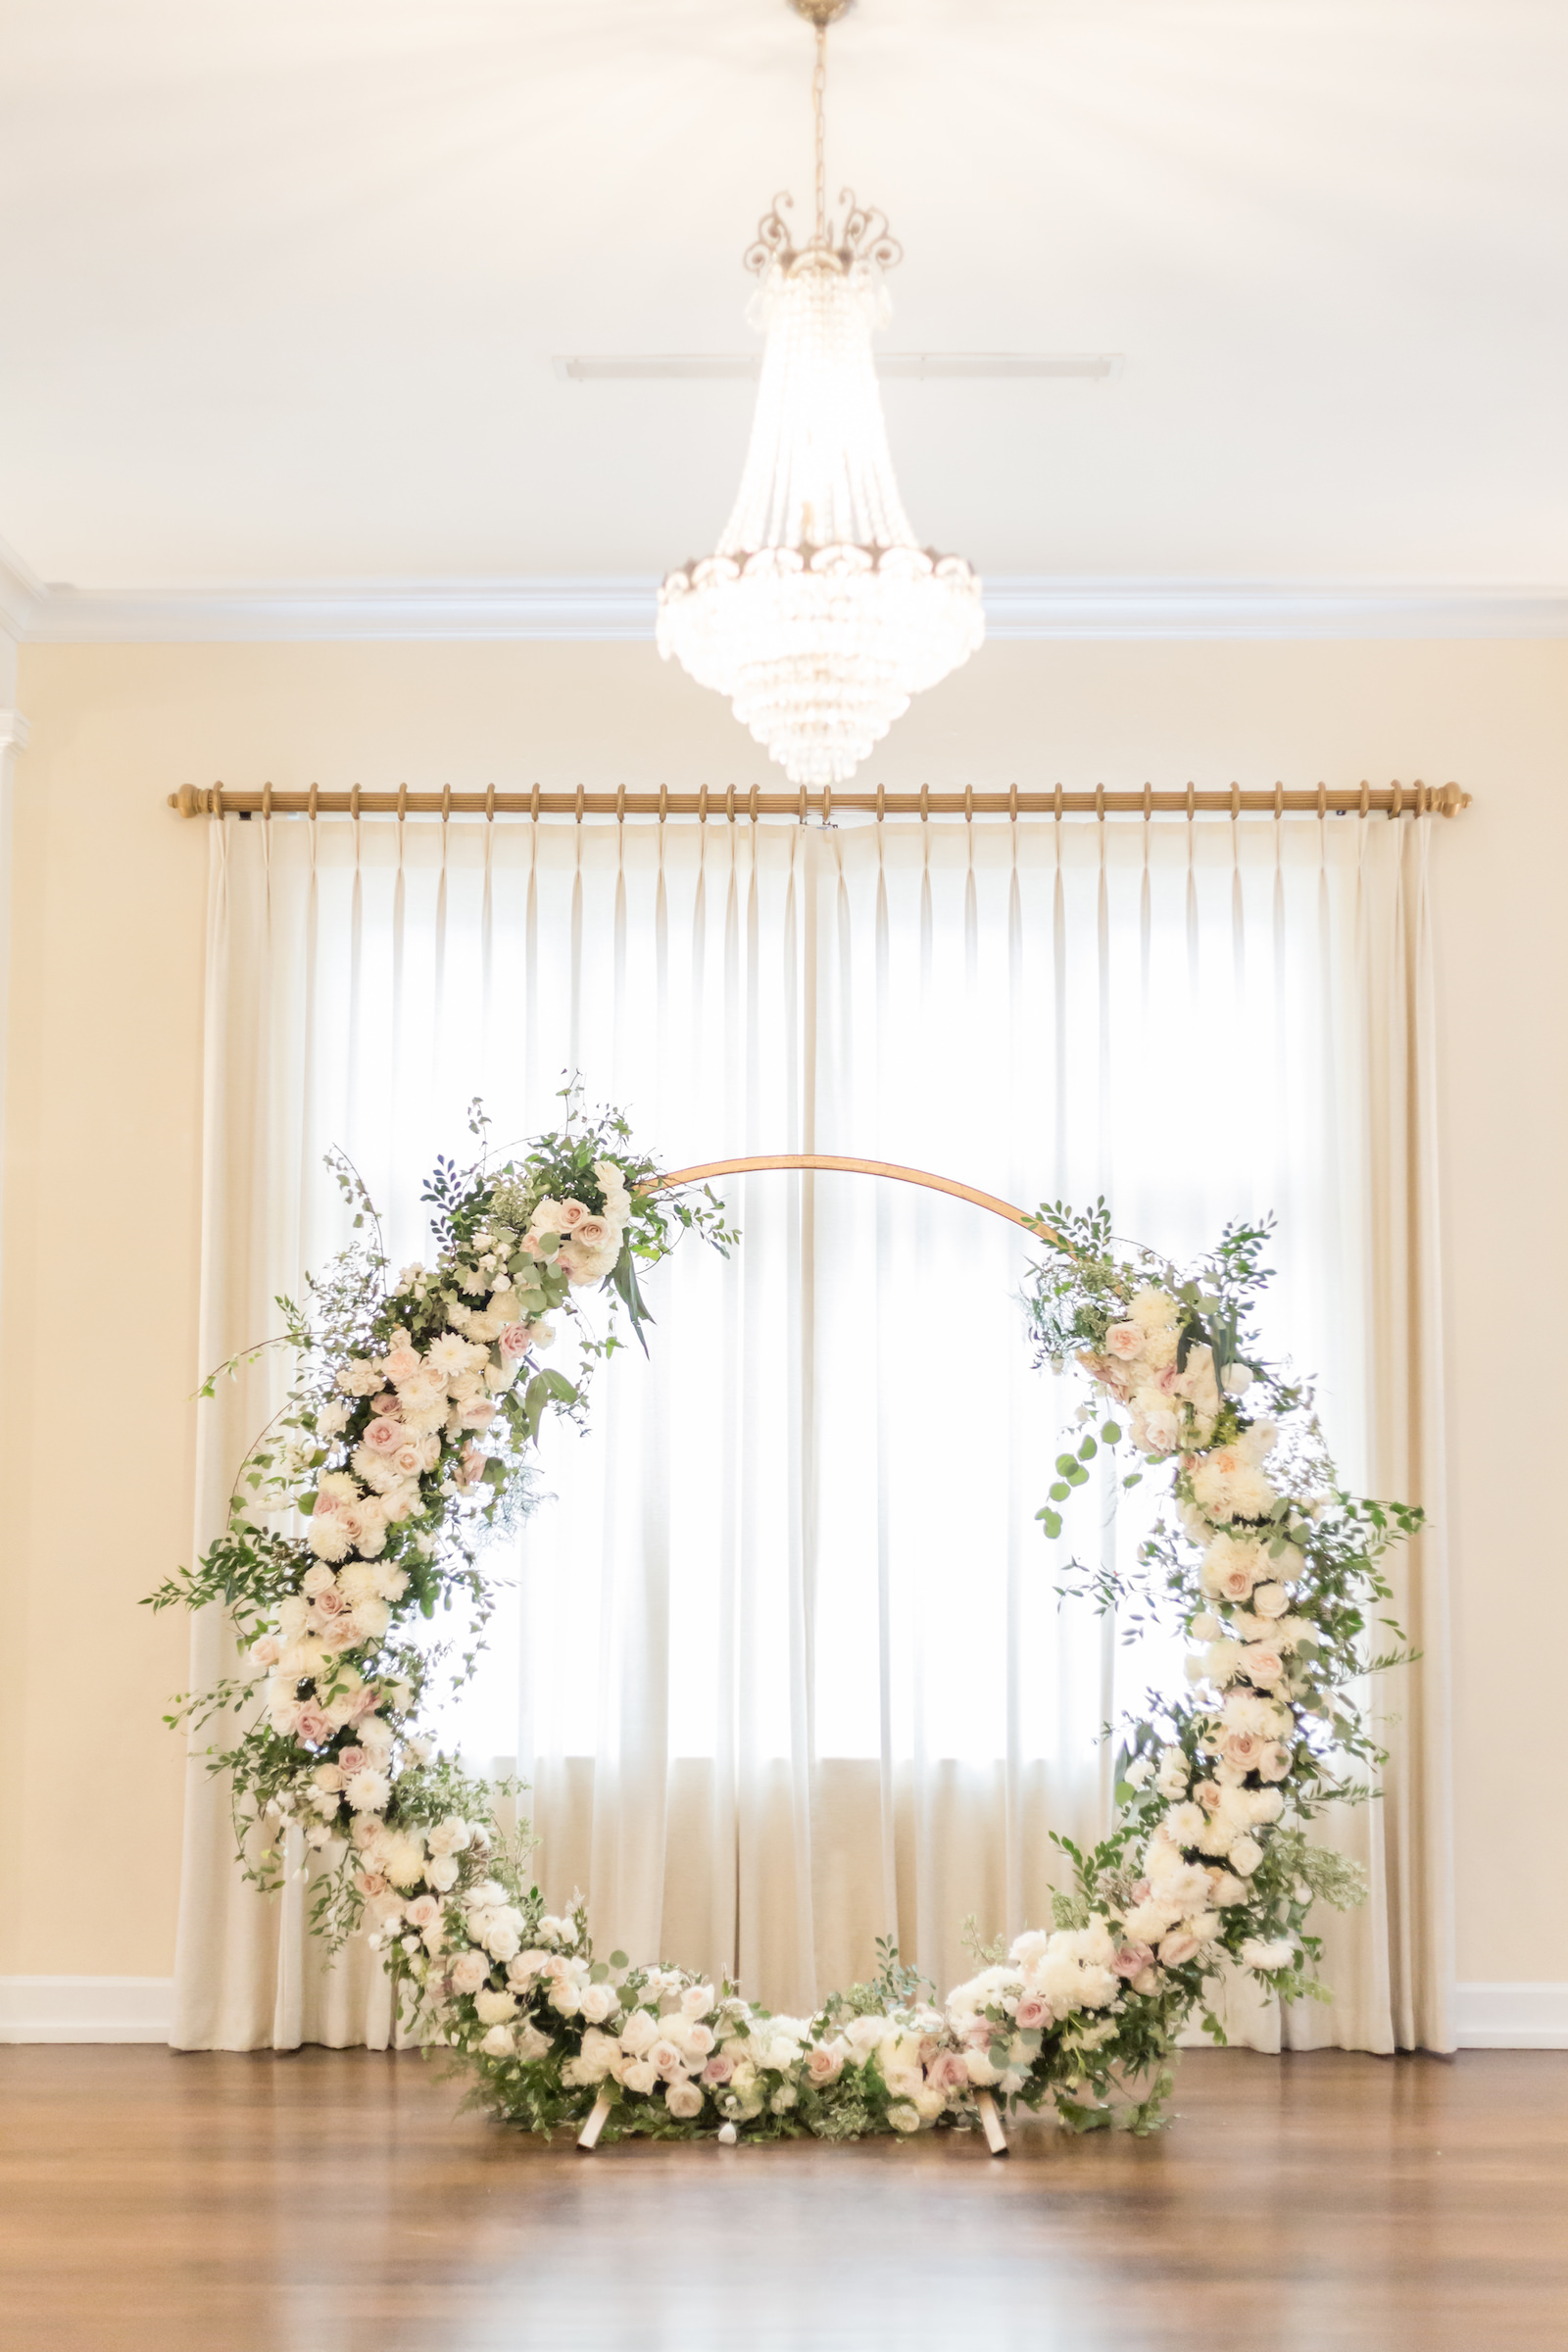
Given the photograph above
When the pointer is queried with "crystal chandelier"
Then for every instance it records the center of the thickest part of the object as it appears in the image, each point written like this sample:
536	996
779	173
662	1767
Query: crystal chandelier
820	613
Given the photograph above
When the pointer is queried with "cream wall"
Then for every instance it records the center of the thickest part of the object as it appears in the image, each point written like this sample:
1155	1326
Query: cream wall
98	1285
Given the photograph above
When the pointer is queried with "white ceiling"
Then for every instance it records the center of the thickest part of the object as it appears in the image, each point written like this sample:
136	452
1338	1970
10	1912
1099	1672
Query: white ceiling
281	280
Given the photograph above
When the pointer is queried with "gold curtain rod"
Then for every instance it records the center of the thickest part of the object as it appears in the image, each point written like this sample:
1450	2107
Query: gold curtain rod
1365	800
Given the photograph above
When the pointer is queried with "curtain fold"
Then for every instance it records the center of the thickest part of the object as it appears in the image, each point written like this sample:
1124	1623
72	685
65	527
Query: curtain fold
783	1661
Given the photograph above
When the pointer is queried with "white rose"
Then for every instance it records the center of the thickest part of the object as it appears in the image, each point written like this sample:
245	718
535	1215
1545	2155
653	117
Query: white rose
441	1874
639	2033
498	2042
449	1837
683	2099
904	2116
598	2002
639	2077
1245	1855
1270	1600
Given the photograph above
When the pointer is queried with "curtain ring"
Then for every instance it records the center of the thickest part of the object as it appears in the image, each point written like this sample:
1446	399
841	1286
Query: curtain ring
446	804
402	802
663	802
1420	791
310	805
729	802
881	803
1100	804
1236	800
1012	804
925	803
217	800
267	804
803	804
533	804
1366	796
489	803
751	802
1191	800
1322	800
620	804
1149	803
701	805
579	803
968	804
1279	802
1396	809
827	807
1058	799
353	803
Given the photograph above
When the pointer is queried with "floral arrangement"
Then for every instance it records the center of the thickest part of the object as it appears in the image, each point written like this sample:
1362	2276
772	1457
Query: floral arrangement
406	1444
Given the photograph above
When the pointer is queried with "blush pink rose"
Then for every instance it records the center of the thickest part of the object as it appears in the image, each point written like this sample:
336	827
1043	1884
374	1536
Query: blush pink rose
315	1727
470	1469
823	2065
477	1413
1133	1959
1274	1762
351	1761
720	2067
384	1435
1124	1341
1033	2011
593	1233
949	2070
1207	1795
515	1340
1263	1663
470	1971
1242	1749
268	1650
1176	1948
332	1603
423	1912
571	1215
402	1364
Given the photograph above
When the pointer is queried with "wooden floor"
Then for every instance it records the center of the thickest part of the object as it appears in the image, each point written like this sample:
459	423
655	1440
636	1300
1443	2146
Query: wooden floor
334	2202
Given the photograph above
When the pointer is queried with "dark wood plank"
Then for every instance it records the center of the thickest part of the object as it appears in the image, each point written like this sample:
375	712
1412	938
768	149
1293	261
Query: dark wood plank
333	2202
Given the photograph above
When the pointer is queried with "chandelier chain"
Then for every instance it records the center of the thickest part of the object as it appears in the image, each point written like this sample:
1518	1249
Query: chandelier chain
819	116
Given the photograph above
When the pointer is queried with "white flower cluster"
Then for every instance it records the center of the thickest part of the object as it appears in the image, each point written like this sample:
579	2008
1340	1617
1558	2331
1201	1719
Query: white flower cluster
586	1245
416	1424
1138	1366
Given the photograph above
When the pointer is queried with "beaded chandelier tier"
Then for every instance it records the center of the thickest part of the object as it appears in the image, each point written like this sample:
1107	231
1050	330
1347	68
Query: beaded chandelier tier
820	613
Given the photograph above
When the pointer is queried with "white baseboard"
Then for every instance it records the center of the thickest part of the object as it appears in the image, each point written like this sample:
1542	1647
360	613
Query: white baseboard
1511	2017
1487	2016
86	2008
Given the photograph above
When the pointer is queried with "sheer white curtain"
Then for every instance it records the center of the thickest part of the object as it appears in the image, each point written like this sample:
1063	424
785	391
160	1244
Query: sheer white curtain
783	1661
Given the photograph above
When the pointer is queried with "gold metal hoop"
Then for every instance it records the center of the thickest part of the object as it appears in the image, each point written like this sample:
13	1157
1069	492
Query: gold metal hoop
849	1167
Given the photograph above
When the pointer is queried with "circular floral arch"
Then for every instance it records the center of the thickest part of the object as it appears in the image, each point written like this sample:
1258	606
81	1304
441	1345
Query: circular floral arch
404	1447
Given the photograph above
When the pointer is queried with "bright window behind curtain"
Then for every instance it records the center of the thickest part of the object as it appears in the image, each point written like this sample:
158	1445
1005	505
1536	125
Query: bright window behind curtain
784	1663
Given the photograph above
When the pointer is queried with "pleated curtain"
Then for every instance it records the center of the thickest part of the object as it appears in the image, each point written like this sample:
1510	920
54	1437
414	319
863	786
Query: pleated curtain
781	1654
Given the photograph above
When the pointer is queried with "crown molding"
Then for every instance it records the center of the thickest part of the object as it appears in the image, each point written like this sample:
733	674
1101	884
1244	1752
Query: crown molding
621	608
21	592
